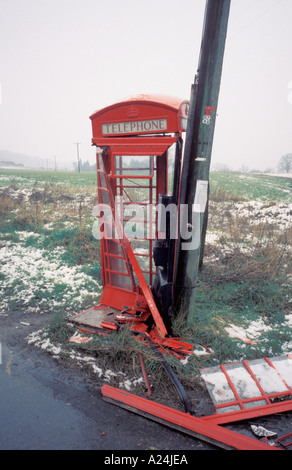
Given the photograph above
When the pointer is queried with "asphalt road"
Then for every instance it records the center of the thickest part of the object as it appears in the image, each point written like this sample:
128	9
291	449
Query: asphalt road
46	407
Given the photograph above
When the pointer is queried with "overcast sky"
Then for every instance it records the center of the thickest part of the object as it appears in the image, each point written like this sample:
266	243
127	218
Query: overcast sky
60	60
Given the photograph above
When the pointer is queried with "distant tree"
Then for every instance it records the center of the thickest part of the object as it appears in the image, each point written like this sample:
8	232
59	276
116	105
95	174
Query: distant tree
268	170
285	164
244	169
84	166
138	163
220	167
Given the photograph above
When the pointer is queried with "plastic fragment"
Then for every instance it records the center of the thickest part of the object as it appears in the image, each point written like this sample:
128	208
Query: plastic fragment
262	432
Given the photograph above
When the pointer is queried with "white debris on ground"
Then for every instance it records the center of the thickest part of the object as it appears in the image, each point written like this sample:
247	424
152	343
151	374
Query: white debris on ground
249	334
238	332
262	432
40	339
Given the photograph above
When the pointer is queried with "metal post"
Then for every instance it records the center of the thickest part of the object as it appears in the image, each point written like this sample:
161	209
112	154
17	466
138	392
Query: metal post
78	159
198	148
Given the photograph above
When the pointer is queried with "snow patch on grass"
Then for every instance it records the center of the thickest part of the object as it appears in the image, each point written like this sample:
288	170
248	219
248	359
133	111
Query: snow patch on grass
38	280
40	339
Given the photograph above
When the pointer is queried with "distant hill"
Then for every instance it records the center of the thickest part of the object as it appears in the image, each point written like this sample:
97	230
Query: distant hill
11	165
21	159
25	160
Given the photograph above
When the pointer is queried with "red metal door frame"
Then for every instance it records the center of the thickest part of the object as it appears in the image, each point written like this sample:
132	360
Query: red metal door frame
107	188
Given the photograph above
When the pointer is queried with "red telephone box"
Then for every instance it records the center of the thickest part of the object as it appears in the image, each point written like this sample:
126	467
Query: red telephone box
134	139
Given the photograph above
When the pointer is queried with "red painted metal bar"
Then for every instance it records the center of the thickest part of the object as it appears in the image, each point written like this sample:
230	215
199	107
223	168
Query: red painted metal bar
145	289
122	189
141	177
282	440
244	401
145	374
185	421
239	401
265	397
228	404
111	255
285	383
139	238
102	244
249	413
145	141
142	254
112	271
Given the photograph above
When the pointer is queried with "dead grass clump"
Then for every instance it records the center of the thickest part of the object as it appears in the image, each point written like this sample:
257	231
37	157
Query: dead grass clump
261	262
34	207
31	216
220	194
284	238
7	205
83	246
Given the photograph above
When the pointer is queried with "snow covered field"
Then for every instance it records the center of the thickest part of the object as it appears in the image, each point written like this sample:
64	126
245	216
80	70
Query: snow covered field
37	280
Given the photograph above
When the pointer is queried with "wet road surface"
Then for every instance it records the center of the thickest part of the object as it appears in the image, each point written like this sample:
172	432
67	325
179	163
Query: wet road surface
44	406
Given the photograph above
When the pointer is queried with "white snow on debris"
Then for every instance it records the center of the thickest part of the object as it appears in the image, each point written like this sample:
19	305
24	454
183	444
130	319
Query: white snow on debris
272	379
30	276
218	385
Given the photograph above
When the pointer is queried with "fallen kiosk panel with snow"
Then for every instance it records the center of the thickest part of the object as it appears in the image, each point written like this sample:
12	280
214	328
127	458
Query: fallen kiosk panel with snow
250	384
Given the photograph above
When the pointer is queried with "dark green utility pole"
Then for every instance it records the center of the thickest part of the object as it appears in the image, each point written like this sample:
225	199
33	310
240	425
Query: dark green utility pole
197	155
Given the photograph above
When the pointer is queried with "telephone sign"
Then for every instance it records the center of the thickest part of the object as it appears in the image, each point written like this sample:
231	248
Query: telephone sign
135	127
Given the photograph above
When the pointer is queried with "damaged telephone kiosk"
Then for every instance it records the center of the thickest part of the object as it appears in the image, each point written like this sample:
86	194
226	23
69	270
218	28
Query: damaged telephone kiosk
134	139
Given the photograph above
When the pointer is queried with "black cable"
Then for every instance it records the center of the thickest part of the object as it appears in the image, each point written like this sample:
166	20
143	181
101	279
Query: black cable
171	374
